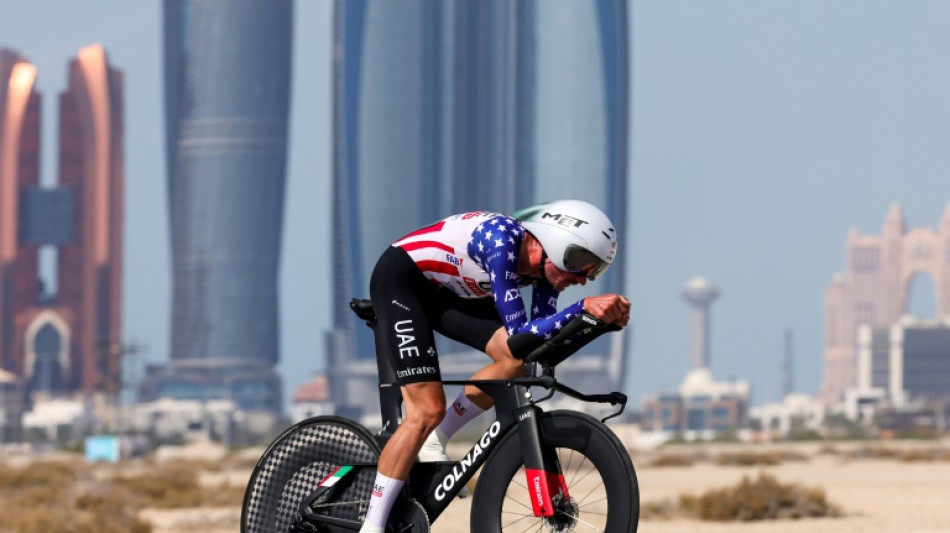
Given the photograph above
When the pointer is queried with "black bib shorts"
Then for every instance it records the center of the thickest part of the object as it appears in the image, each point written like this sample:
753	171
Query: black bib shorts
409	308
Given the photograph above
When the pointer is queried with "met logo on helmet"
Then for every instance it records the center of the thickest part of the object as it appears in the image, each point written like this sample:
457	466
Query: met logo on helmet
564	220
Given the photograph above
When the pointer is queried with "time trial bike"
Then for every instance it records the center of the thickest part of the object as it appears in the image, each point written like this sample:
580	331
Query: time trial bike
557	471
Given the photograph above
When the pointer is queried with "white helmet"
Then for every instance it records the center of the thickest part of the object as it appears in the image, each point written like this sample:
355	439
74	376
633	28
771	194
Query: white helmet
575	235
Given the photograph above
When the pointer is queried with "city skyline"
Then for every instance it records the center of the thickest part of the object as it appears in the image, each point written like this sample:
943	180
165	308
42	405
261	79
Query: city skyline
443	108
760	135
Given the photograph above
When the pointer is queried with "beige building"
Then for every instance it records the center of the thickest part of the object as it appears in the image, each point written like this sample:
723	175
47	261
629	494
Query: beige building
874	289
700	408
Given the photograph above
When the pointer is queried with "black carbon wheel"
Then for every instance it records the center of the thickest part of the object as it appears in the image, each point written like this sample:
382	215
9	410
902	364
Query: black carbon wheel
296	462
602	484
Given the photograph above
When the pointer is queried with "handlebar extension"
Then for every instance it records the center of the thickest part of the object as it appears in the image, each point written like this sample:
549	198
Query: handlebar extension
579	332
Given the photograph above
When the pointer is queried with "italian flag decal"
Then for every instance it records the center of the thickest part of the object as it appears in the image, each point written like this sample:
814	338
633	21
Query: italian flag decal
335	476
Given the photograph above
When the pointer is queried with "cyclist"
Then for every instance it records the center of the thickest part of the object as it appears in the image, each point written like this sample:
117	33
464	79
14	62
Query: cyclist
462	278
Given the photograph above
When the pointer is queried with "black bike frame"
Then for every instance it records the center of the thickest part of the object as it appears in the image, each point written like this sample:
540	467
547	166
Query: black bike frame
435	485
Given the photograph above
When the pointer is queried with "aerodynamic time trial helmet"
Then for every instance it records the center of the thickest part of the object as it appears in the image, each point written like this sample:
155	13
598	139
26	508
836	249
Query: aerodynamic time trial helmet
576	236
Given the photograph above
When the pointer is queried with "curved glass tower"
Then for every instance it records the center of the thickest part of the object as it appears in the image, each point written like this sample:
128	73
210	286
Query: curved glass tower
227	97
576	112
449	106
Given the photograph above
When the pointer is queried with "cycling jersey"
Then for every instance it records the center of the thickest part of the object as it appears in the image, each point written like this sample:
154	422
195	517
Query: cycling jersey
475	255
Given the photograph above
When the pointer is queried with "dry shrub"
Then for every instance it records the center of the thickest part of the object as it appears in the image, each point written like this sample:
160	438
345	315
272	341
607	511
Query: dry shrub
758	459
659	510
242	461
925	455
175	485
73	497
764	498
48	496
828	449
874	452
673	459
41	474
906	455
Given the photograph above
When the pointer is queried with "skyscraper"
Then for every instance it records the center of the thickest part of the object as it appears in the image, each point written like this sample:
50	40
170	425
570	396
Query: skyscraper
91	163
19	168
227	98
64	341
449	106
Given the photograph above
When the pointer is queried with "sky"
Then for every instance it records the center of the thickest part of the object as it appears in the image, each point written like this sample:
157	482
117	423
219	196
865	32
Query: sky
761	133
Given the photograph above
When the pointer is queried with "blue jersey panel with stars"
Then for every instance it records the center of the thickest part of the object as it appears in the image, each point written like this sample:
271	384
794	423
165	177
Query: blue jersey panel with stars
495	247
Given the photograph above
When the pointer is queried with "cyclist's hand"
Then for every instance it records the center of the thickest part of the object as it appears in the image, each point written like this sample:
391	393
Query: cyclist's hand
611	308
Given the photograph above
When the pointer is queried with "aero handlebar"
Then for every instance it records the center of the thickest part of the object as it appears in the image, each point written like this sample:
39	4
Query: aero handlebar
579	332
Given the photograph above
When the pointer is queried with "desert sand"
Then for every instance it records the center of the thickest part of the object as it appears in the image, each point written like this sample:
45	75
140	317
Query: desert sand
879	495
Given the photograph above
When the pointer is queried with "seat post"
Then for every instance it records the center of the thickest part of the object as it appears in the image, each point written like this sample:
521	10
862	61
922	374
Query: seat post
390	397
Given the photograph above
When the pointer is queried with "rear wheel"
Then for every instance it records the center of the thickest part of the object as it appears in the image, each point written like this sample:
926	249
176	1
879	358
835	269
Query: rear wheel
294	465
602	486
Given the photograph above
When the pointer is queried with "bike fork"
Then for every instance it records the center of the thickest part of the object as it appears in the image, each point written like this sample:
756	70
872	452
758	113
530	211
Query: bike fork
544	477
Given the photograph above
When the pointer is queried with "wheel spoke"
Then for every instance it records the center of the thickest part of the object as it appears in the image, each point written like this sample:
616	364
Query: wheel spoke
512	523
588	504
570	466
583	499
592	527
593	478
519	502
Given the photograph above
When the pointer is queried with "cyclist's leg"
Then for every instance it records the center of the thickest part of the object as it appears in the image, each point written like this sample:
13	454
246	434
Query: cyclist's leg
425	406
475	322
400	295
471	402
504	365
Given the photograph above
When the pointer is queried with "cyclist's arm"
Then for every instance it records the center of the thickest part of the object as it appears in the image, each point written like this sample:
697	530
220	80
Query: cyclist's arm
501	262
544	311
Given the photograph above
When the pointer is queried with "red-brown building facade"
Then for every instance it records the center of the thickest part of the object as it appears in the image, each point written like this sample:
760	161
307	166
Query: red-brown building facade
65	341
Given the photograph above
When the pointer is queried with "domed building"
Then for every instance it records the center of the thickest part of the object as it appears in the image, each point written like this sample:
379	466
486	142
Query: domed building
700	408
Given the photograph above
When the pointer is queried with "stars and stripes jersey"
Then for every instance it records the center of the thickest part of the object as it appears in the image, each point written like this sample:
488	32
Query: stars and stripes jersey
475	255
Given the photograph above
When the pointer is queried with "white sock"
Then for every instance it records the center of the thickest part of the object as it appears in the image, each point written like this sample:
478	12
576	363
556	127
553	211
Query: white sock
461	412
385	490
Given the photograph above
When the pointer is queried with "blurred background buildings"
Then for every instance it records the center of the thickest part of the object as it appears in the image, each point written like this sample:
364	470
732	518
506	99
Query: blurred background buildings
438	107
62	335
227	106
875	289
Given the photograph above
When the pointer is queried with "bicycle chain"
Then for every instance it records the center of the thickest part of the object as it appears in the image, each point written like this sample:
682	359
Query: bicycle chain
299	525
337	504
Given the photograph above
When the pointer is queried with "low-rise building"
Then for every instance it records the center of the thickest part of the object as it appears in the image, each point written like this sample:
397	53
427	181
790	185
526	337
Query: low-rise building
910	360
312	399
795	413
701	408
12	405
